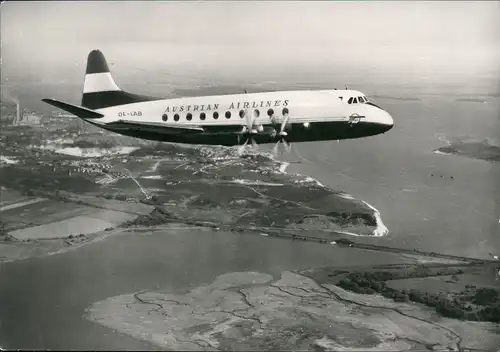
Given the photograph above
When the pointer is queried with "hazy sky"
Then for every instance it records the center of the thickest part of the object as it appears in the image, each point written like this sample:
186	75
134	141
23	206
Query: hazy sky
47	38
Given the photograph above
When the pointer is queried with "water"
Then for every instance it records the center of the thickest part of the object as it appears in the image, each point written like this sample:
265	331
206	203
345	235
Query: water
47	296
412	187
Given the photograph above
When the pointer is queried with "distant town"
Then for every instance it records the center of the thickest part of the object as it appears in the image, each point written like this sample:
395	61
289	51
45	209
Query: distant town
13	114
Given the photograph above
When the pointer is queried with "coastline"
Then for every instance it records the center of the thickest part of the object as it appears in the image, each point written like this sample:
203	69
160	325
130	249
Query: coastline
259	173
381	229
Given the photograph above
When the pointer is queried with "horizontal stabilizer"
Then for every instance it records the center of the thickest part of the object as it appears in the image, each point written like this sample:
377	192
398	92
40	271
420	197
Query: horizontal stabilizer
74	109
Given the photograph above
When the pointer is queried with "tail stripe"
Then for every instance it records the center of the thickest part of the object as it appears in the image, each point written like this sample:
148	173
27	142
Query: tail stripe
99	82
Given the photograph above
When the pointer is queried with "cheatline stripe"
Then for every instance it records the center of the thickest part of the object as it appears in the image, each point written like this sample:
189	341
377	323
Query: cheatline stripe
99	82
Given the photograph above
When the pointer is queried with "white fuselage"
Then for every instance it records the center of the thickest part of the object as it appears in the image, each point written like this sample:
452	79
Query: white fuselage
303	106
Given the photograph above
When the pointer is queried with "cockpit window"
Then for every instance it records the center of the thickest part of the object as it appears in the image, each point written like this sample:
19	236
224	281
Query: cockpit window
355	100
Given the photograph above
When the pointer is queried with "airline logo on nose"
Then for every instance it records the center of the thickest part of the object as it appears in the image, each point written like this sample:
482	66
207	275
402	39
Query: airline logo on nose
355	118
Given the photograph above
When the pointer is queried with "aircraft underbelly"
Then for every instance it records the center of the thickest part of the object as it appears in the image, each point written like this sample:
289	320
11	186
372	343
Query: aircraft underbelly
230	135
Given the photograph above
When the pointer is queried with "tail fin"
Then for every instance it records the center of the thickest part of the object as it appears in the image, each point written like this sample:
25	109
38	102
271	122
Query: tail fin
99	88
97	77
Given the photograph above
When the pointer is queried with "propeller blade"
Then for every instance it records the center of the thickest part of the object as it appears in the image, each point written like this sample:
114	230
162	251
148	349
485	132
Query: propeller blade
241	149
248	121
248	124
249	131
254	118
255	146
284	122
275	149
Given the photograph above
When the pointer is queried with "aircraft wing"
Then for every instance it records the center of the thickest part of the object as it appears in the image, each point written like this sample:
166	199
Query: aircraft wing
167	128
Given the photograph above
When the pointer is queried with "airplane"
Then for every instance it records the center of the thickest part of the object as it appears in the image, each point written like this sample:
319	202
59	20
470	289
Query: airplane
229	120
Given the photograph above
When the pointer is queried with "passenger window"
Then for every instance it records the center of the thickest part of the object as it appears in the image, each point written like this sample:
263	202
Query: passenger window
176	117
349	101
242	114
202	116
270	112
285	111
256	113
216	115
189	116
228	114
164	117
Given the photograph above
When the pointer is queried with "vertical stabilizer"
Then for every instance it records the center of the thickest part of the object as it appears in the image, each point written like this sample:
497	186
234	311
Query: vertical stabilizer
99	88
97	76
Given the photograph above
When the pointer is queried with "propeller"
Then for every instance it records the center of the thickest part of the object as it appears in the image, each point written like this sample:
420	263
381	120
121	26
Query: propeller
250	130
282	134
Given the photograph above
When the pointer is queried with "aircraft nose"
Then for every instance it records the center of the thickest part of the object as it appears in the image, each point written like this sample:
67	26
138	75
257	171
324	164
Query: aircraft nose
384	120
387	120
